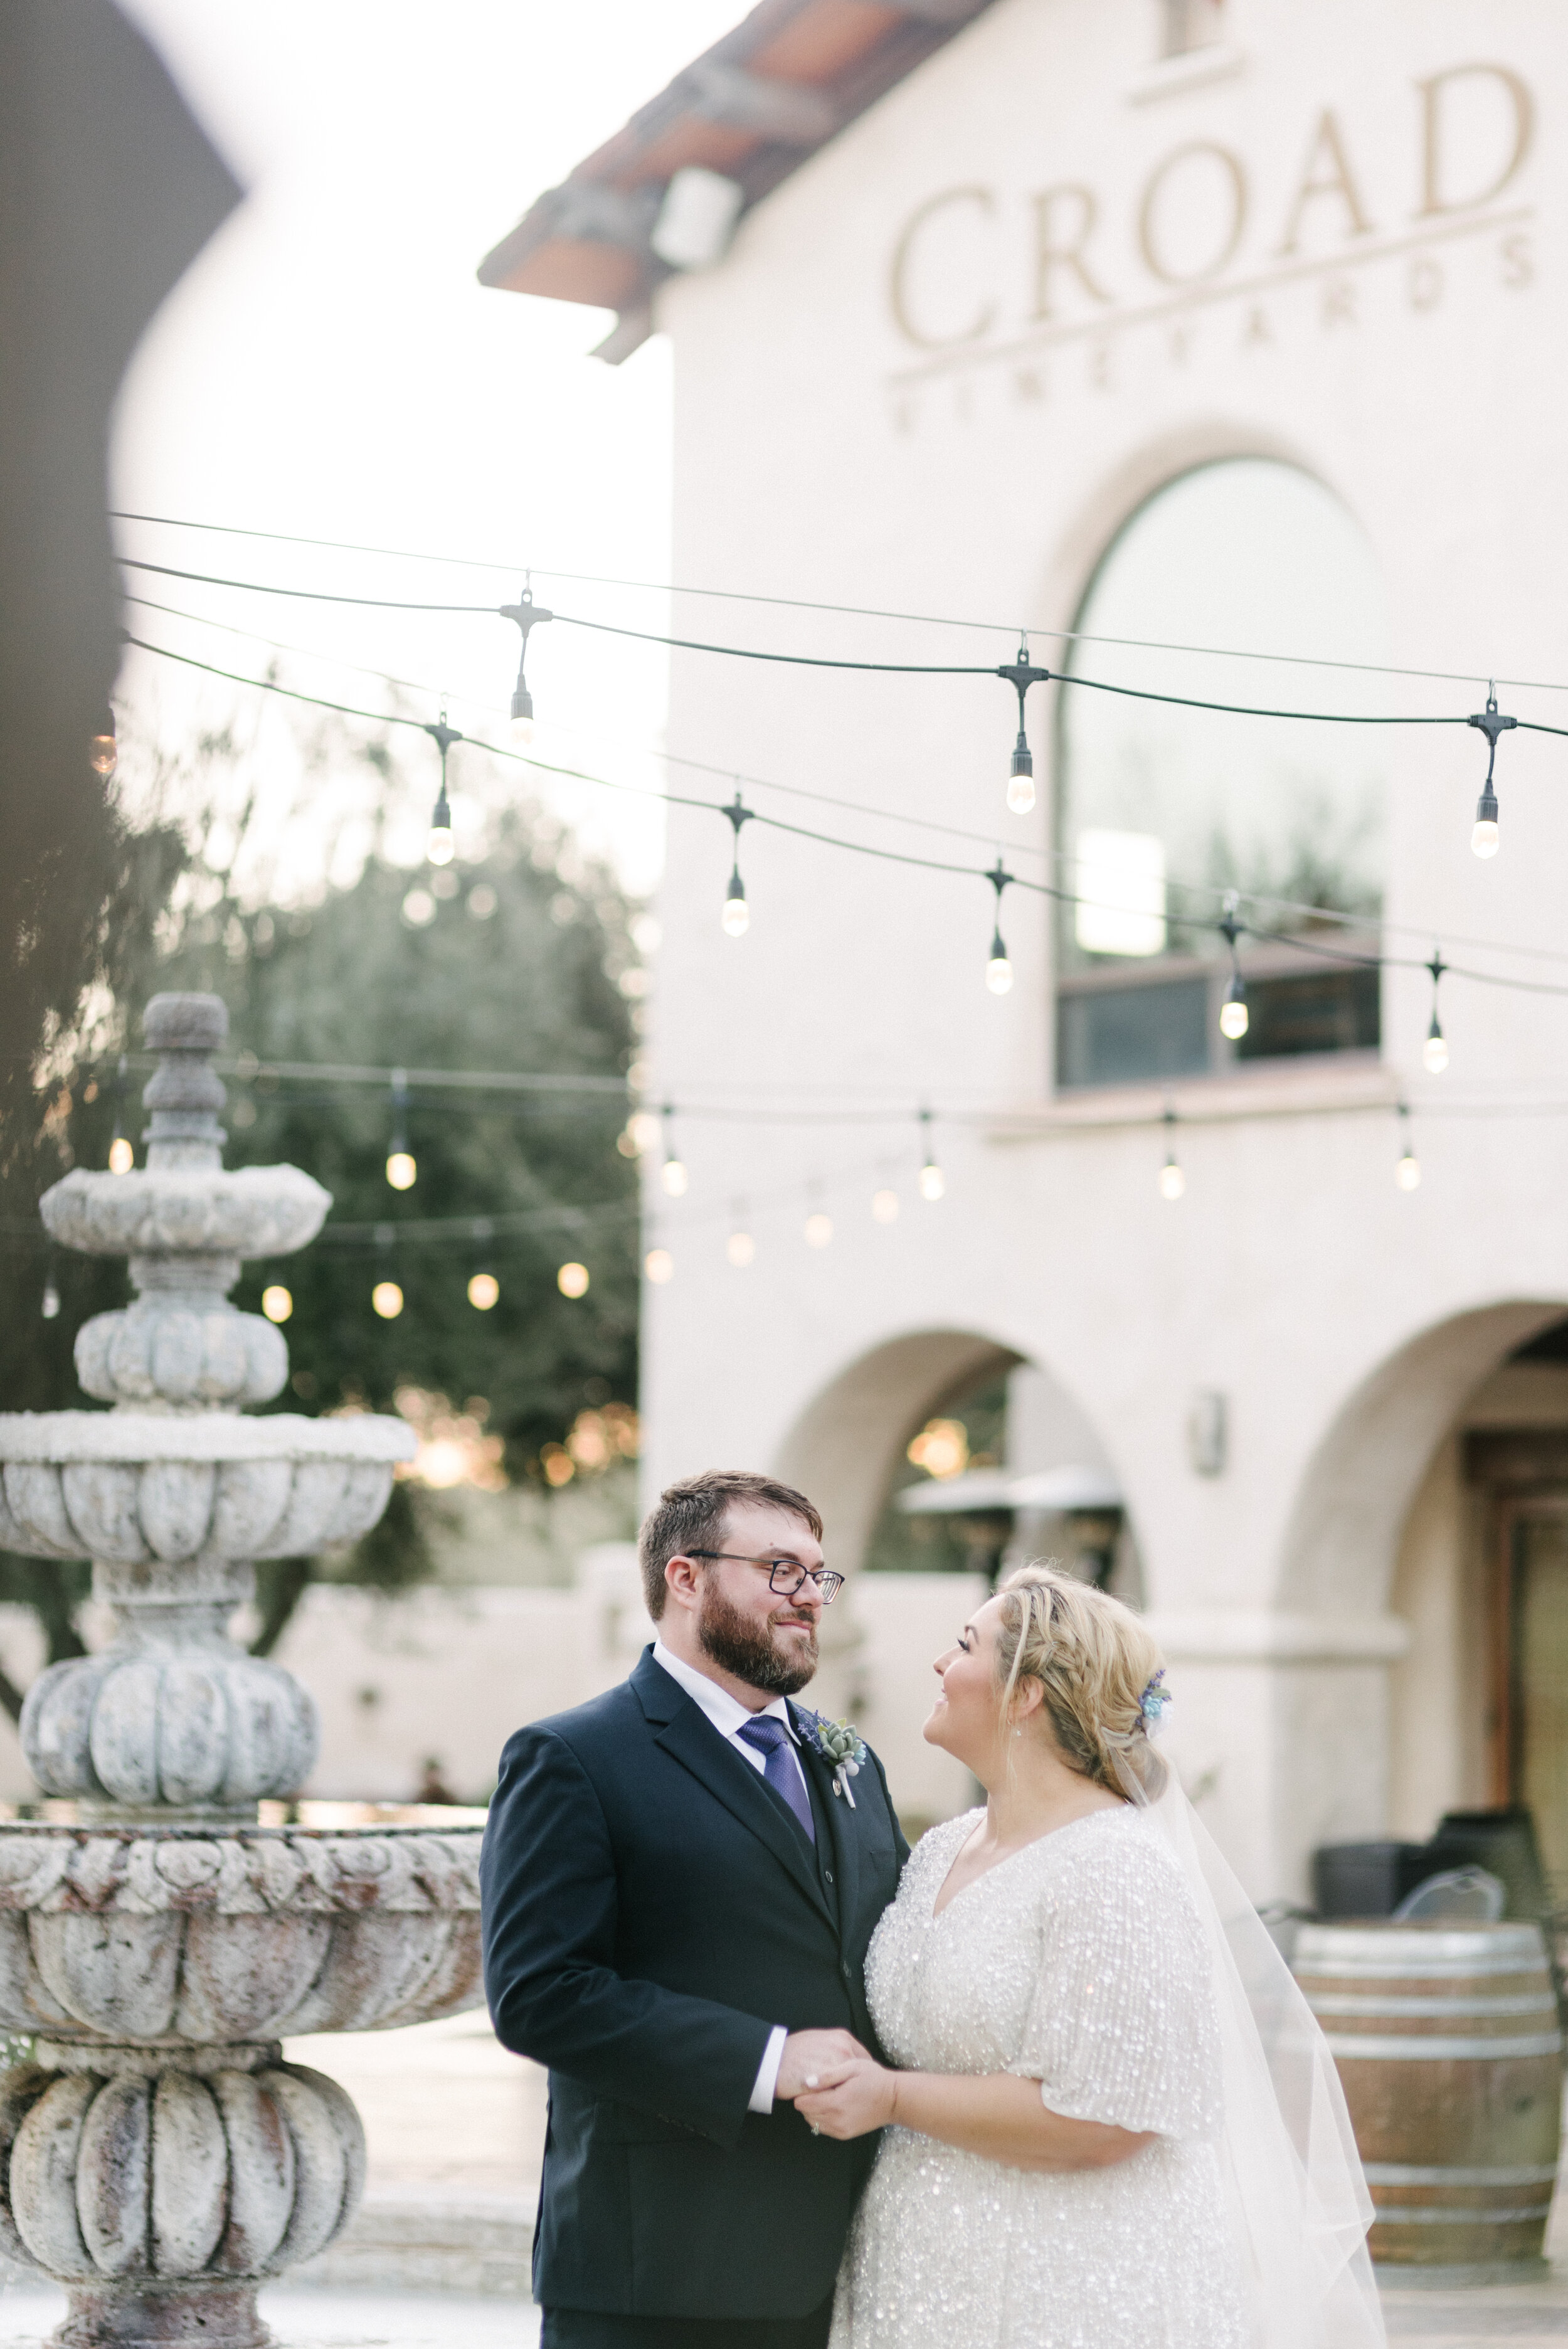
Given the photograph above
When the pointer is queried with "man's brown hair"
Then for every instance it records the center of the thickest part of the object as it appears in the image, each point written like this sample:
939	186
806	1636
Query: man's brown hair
691	1516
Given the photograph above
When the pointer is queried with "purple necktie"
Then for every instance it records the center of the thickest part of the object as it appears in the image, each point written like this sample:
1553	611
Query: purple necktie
766	1734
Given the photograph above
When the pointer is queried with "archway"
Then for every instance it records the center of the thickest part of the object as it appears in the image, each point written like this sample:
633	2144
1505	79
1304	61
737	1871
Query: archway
842	1448
1342	1537
847	1449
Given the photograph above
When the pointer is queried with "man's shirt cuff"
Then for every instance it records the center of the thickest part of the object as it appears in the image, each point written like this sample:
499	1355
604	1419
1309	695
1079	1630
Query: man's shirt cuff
768	2071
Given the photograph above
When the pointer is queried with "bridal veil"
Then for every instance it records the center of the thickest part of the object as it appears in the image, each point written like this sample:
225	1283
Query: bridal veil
1298	2199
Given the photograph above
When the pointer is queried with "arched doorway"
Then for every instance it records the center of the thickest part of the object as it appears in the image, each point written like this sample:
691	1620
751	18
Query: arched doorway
1162	809
1439	1497
979	1420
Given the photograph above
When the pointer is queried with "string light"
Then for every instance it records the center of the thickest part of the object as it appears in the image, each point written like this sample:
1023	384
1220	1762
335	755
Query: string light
440	848
659	1266
1435	1051
573	1280
121	1156
1234	1010
49	1303
1408	1168
277	1304
386	1298
484	1291
1484	836
103	749
1172	1181
741	1249
675	799
999	969
735	917
931	1179
528	614
885	1206
674	1174
819	1229
401	1166
1021	674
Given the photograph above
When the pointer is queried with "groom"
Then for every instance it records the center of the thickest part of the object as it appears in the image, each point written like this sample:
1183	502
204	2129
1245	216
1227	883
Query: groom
678	1896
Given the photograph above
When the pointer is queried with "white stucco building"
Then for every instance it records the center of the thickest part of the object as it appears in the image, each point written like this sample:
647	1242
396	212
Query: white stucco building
1007	279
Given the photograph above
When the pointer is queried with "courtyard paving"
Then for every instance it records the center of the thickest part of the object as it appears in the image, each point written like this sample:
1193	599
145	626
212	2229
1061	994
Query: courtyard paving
438	2257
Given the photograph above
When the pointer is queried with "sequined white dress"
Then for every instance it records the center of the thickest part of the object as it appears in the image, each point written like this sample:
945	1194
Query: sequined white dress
1079	1962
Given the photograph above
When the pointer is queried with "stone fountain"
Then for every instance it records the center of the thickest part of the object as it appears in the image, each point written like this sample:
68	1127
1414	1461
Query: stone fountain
157	2157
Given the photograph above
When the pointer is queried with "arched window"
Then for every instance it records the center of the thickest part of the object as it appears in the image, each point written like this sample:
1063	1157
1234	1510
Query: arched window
1161	810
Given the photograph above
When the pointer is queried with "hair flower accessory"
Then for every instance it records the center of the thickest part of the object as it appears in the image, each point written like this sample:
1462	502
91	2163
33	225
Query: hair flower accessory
1152	1704
840	1743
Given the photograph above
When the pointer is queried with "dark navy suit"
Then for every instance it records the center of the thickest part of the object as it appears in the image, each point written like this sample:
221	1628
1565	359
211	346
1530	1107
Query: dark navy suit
652	1911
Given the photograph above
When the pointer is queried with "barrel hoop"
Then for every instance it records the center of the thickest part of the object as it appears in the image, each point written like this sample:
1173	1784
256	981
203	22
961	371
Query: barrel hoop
1380	2048
1419	1969
1337	2003
1481	2217
1406	2173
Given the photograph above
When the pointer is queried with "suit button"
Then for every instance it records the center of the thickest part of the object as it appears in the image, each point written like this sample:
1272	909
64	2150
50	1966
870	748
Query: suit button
844	1969
827	1875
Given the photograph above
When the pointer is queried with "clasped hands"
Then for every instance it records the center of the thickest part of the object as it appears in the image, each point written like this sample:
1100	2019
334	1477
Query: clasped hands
834	2085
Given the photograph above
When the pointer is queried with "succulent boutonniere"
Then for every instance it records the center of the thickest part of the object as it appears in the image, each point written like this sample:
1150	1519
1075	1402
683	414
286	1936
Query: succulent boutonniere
840	1743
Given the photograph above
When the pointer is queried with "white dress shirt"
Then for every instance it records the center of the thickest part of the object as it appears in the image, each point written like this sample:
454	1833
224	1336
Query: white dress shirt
729	1716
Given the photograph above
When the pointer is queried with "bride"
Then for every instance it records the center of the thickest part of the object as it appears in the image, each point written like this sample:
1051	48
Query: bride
1096	2044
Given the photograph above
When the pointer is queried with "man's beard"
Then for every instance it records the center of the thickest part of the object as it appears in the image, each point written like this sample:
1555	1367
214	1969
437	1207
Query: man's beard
744	1647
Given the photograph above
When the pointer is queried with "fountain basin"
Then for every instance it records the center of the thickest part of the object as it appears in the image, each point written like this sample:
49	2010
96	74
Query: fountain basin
162	1937
185	1210
129	1488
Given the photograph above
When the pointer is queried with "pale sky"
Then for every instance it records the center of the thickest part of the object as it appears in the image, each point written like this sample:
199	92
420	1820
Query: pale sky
330	366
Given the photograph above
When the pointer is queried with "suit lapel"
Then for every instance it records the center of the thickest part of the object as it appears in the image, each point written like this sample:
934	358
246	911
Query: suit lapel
840	1821
684	1732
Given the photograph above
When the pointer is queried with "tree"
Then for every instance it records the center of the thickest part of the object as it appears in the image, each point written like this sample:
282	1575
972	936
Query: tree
509	962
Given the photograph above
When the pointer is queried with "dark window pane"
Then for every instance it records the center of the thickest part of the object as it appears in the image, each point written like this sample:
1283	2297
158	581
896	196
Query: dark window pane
1120	1035
1335	1011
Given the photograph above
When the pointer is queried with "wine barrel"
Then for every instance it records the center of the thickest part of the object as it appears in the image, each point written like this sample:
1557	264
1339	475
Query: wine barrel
1447	2041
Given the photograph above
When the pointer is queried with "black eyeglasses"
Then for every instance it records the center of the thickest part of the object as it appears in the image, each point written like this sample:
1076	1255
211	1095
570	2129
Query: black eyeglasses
795	1576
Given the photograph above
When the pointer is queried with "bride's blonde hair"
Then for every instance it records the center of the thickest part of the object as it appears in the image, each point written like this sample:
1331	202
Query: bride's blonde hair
1095	1663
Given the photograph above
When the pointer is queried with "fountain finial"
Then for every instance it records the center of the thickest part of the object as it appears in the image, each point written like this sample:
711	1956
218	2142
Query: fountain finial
186	1091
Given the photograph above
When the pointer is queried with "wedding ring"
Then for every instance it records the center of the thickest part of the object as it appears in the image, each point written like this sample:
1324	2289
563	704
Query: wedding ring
814	2130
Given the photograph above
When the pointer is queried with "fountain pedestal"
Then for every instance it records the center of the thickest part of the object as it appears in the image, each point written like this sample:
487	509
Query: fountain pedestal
157	2157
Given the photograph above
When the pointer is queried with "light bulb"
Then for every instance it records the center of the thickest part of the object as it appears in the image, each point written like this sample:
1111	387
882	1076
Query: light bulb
998	972
741	1249
1172	1181
573	1280
438	848
818	1230
121	1156
50	1304
1408	1173
1021	780
484	1290
659	1266
387	1299
885	1206
1234	1016
277	1302
103	755
401	1170
932	1182
1435	1052
1484	839
735	918
521	727
675	1179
